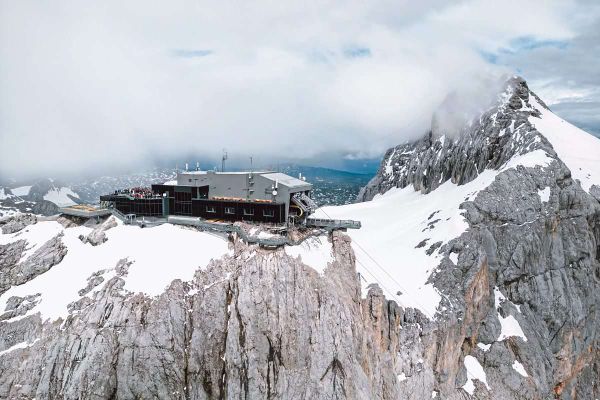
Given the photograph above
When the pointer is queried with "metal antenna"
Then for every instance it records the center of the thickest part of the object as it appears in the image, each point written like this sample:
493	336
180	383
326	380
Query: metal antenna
223	160
250	163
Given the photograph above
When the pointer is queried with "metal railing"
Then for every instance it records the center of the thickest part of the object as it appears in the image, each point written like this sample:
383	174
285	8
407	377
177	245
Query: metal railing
274	241
333	223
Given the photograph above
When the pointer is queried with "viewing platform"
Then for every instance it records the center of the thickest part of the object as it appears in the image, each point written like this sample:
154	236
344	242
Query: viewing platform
85	211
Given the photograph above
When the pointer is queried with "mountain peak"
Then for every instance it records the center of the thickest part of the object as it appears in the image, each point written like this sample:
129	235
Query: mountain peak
488	141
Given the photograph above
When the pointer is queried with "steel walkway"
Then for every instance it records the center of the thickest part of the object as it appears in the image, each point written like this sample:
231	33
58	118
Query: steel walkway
322	225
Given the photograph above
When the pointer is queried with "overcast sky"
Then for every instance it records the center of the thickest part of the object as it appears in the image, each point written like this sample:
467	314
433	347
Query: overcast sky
96	84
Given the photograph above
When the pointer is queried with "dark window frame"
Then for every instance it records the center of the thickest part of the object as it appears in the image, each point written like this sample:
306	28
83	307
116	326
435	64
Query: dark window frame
230	210
211	209
269	213
248	214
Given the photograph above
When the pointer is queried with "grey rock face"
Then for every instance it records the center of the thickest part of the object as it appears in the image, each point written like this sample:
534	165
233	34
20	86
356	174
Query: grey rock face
16	272
500	133
98	235
17	223
519	288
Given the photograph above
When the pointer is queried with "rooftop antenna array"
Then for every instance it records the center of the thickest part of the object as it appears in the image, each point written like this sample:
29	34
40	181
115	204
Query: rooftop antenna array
223	159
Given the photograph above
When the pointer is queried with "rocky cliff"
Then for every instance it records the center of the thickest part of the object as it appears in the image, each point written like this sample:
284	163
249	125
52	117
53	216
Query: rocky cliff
476	275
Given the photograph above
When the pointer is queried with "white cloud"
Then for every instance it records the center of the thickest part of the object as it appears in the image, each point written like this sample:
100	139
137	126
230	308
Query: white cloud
109	83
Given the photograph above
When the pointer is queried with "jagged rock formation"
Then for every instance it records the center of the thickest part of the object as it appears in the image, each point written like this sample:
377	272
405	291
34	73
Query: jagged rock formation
98	235
14	272
499	134
17	223
519	291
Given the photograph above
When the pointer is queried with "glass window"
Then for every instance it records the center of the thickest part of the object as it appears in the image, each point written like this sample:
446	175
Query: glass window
248	211
229	210
211	209
269	213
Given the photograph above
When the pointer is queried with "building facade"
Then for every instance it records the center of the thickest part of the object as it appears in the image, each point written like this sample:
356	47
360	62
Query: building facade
268	197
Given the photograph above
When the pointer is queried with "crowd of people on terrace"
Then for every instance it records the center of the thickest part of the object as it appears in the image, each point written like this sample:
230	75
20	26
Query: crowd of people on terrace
138	192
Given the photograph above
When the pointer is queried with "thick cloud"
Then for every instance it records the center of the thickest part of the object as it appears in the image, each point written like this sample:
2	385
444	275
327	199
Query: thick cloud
87	85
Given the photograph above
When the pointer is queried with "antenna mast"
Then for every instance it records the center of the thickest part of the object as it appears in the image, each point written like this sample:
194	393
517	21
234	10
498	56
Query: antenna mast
223	160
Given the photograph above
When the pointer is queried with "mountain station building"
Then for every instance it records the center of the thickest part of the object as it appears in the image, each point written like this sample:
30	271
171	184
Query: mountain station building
266	196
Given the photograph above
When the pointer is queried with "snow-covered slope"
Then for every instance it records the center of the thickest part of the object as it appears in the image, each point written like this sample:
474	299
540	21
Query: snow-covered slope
403	231
61	196
579	150
416	207
158	256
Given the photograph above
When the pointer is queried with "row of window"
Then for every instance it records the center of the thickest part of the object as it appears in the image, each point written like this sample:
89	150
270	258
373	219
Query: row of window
248	211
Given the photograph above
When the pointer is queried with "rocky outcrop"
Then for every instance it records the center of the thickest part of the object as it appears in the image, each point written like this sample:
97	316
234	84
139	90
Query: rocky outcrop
257	324
98	235
16	223
15	271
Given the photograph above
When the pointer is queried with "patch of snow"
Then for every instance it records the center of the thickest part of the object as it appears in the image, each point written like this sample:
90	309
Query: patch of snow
402	377
579	150
544	194
388	165
454	258
474	371
316	252
21	345
392	226
536	158
159	255
60	196
509	325
3	194
266	235
170	183
483	346
434	394
21	190
517	366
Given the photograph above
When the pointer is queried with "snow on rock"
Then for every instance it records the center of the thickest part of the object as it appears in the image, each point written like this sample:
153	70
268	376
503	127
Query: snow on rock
21	190
483	346
394	224
517	366
35	235
3	194
60	196
509	325
474	371
21	345
158	255
579	150
454	258
544	194
402	377
316	252
536	158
